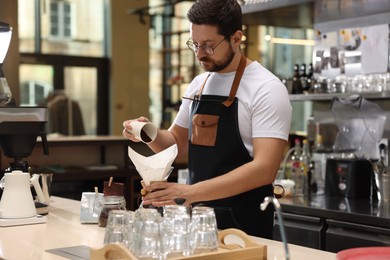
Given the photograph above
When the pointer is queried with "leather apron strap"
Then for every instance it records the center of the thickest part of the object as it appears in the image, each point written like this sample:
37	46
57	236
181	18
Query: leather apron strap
236	82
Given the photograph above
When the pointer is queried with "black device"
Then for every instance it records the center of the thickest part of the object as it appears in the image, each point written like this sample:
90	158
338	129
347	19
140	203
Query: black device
350	178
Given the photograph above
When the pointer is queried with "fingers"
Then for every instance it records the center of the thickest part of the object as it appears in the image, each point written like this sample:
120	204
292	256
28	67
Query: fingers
164	193
127	128
126	134
158	195
158	202
163	203
126	124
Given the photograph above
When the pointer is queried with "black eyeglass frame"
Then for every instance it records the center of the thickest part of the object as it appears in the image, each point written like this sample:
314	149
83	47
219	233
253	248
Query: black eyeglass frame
205	47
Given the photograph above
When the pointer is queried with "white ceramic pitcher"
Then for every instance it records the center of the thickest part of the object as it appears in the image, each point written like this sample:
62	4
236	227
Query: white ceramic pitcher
17	200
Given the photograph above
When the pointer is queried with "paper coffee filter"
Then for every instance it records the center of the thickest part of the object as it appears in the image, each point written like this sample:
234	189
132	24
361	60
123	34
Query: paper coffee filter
156	167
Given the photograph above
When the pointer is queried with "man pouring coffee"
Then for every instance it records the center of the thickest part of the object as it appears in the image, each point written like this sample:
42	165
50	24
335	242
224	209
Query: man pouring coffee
232	126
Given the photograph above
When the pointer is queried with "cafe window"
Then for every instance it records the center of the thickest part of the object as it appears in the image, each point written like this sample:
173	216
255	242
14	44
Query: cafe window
75	27
63	49
61	20
33	93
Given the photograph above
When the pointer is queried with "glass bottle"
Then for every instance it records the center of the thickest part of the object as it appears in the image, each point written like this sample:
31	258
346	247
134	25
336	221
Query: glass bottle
299	172
305	156
310	77
304	160
303	78
295	159
295	152
296	83
319	158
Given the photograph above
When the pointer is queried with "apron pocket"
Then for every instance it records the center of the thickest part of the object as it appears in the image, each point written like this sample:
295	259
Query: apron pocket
225	218
204	129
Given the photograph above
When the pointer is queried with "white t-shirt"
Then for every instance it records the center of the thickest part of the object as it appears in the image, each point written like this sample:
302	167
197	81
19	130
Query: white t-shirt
264	108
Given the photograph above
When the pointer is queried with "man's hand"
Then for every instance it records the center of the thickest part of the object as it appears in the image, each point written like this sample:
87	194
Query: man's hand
164	193
127	128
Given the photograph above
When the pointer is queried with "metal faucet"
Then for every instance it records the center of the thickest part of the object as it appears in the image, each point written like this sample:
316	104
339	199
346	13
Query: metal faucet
276	204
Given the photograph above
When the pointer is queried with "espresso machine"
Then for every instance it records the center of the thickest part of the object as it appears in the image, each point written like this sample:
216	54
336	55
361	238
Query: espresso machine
350	173
19	130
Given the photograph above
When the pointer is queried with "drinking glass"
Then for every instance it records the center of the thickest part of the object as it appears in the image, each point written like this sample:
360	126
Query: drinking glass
119	228
147	238
204	230
176	231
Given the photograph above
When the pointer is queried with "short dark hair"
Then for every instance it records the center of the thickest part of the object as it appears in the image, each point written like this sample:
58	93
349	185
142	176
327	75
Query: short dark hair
225	14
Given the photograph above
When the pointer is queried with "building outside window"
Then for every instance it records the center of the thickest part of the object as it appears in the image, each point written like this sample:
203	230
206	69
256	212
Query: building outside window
63	49
62	24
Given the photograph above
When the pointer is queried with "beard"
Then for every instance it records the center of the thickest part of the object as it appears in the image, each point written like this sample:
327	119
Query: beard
211	65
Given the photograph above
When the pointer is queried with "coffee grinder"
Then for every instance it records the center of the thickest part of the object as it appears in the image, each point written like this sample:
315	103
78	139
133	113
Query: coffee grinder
19	130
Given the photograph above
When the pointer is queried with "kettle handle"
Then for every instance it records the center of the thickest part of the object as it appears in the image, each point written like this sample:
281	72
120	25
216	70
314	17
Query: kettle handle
44	143
35	182
2	181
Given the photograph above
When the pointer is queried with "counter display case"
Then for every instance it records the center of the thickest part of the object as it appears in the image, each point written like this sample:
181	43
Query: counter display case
335	223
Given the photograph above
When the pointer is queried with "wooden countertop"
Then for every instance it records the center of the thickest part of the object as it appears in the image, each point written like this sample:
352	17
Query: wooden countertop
63	229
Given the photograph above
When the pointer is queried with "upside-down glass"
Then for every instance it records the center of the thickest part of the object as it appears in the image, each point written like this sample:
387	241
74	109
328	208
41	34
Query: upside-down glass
147	236
204	230
119	228
176	231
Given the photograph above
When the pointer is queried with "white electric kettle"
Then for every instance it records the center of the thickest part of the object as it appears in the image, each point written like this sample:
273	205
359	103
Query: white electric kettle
17	200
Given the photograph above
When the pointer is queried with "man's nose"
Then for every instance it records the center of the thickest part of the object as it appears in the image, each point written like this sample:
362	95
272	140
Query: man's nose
200	53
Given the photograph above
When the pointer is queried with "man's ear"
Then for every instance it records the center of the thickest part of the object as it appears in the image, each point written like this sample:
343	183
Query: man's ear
237	37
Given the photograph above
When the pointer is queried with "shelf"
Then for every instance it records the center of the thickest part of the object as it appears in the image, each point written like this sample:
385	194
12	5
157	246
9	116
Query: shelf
330	96
77	174
80	163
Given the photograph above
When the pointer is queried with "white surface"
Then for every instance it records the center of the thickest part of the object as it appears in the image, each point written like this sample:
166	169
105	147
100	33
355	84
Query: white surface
7	222
63	229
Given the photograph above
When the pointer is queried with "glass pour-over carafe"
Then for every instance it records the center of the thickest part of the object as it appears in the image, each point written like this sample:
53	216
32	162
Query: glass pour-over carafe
5	39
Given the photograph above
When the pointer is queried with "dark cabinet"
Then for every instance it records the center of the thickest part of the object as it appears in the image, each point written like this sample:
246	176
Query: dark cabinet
342	235
319	222
301	230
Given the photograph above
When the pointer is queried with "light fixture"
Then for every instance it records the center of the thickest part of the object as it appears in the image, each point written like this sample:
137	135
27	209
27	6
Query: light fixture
289	41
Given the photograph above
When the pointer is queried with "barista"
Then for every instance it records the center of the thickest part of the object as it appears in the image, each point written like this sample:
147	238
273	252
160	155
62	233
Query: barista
232	126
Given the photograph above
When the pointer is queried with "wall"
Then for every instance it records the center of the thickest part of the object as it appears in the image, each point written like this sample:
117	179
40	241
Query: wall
129	64
337	15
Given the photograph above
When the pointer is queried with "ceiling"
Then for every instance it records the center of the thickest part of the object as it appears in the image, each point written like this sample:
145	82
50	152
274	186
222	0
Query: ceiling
291	16
281	13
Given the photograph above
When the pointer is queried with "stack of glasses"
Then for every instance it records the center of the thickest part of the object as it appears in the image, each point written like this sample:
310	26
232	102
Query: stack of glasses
180	231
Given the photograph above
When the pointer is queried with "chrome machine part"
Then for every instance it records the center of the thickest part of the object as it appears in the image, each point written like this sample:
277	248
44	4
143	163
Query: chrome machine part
278	209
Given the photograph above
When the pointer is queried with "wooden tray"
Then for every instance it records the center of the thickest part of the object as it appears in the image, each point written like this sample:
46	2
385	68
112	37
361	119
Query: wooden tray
251	251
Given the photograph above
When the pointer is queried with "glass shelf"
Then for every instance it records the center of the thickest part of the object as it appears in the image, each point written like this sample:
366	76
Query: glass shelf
330	96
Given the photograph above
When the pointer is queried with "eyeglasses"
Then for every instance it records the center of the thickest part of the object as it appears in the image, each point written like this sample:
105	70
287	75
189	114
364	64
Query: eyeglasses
205	47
